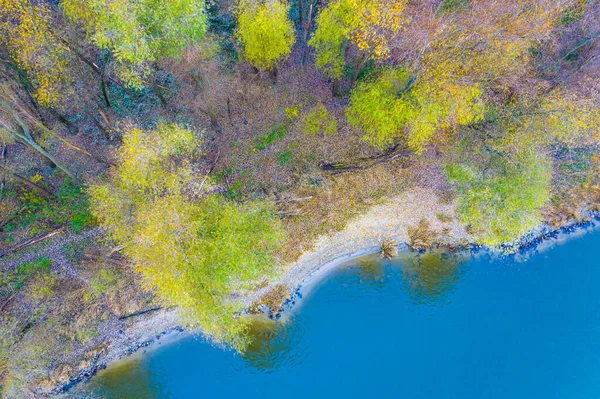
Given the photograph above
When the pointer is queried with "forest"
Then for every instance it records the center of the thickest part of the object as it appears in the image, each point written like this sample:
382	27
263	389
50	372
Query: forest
182	153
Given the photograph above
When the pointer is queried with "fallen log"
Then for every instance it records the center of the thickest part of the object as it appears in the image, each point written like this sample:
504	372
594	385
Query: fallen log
364	163
140	313
31	241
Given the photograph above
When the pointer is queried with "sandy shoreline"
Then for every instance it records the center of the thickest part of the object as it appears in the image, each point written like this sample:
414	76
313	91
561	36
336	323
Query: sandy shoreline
362	236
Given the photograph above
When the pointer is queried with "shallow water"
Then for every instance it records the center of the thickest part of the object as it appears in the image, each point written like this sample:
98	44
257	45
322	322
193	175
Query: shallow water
430	328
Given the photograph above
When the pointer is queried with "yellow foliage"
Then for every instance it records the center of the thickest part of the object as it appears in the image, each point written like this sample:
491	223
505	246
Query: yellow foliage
497	47
392	104
193	248
265	30
25	28
568	118
370	24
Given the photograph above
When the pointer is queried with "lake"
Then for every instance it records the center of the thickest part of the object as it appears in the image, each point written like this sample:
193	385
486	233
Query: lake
433	327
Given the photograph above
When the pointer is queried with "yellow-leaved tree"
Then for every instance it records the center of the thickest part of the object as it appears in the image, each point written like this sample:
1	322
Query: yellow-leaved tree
369	24
26	31
193	247
466	56
139	32
391	103
266	32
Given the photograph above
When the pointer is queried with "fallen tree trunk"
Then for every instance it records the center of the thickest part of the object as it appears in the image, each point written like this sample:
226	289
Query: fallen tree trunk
140	313
31	241
364	163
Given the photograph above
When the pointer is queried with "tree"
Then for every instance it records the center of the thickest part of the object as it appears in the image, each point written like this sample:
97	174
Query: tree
494	51
25	30
265	31
193	248
139	32
502	200
391	103
367	24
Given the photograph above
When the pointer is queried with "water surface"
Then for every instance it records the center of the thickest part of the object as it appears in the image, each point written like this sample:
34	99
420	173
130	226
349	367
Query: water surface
435	327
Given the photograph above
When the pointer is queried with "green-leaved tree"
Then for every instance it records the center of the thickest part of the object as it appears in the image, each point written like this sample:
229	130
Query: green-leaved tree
392	104
139	32
504	200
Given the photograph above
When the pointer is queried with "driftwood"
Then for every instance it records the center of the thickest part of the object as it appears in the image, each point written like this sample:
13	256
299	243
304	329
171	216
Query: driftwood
30	242
364	163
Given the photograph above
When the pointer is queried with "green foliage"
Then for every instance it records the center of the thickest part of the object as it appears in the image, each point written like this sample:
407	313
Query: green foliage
195	251
319	120
105	281
329	39
140	31
448	6
265	31
502	201
70	207
284	157
275	134
42	287
377	110
574	13
13	281
393	102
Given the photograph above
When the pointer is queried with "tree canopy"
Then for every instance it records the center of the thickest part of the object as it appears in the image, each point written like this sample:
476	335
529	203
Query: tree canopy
266	31
192	247
26	31
504	199
393	104
367	24
139	32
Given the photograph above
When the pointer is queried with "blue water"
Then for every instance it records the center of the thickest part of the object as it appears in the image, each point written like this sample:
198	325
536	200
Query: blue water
433	328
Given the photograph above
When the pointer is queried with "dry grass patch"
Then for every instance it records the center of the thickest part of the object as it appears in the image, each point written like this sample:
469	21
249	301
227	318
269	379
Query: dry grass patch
273	300
329	204
422	236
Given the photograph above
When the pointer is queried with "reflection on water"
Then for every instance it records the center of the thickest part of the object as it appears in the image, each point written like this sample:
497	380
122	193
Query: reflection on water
428	278
272	343
146	384
370	271
431	277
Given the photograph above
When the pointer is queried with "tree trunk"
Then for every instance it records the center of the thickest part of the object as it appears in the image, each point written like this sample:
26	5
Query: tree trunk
361	60
56	162
45	193
104	90
335	90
